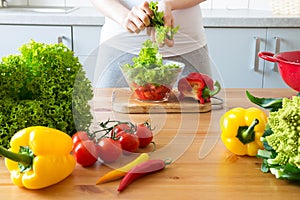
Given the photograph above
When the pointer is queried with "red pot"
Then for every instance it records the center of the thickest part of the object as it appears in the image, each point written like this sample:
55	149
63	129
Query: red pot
288	66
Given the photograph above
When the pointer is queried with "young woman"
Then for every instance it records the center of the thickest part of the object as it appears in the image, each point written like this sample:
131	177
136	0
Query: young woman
127	27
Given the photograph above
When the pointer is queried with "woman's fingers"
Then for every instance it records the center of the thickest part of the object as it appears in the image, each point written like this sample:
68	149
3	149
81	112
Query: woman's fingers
138	18
169	42
147	13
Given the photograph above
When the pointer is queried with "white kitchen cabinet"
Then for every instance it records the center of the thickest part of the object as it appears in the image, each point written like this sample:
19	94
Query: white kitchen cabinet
14	36
234	51
83	40
279	40
86	41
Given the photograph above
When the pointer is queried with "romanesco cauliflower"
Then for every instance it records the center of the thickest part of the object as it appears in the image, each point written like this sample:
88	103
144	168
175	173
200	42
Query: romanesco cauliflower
285	140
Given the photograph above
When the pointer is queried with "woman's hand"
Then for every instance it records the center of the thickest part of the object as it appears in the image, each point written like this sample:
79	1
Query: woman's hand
138	18
168	18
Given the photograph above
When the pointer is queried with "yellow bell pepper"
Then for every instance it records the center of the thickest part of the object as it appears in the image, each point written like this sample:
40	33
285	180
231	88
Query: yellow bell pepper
241	130
39	157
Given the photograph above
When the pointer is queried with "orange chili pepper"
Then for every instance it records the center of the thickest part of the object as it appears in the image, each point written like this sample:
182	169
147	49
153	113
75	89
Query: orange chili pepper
120	172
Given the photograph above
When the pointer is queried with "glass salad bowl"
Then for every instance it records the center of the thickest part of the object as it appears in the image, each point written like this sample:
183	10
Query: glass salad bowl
152	83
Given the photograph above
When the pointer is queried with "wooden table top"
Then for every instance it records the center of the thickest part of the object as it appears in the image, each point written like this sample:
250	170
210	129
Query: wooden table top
202	167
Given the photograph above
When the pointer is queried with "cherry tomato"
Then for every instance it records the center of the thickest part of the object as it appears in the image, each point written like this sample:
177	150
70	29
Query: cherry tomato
144	134
129	142
85	153
121	127
79	136
109	150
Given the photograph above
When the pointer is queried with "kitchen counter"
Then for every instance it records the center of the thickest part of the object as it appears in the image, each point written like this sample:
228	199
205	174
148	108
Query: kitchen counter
247	18
211	17
81	16
202	167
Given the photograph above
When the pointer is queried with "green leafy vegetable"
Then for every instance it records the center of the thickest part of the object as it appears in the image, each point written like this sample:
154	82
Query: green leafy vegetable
157	21
43	85
148	67
149	56
271	104
282	141
157	18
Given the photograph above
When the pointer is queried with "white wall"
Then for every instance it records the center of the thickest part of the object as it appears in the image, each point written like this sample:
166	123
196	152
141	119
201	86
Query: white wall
237	4
209	4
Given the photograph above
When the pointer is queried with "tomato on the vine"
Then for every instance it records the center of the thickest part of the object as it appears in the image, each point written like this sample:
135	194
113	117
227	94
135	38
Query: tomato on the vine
121	127
129	142
79	136
109	150
85	153
144	134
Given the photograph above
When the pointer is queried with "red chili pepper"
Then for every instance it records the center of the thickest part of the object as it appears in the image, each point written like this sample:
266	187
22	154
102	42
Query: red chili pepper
198	86
141	170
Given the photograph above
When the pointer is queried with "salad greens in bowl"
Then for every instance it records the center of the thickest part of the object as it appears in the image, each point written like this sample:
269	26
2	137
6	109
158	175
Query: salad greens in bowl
149	76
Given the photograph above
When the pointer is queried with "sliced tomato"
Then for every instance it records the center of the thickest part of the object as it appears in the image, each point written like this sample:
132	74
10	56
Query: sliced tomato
152	92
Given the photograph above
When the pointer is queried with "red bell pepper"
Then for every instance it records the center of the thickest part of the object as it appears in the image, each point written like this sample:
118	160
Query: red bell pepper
198	86
141	170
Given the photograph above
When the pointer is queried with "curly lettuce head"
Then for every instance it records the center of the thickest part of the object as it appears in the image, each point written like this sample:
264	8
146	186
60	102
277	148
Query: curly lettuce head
43	85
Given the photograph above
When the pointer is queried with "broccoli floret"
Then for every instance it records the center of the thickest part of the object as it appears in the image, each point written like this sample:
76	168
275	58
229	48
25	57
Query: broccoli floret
285	124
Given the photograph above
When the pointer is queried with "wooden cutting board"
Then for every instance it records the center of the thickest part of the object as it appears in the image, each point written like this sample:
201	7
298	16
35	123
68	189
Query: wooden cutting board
124	102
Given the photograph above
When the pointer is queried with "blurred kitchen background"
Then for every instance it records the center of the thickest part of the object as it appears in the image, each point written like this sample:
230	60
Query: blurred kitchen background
209	4
236	31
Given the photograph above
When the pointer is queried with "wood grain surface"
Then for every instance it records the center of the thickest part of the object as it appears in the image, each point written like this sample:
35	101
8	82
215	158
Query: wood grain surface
125	102
202	167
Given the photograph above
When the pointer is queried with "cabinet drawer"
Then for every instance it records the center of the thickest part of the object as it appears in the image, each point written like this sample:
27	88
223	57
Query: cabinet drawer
13	36
233	53
279	40
86	40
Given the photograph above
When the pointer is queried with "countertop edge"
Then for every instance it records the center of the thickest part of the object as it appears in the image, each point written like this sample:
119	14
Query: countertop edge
89	16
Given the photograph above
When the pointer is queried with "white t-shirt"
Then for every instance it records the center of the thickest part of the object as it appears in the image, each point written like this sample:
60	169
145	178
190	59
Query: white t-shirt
189	37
